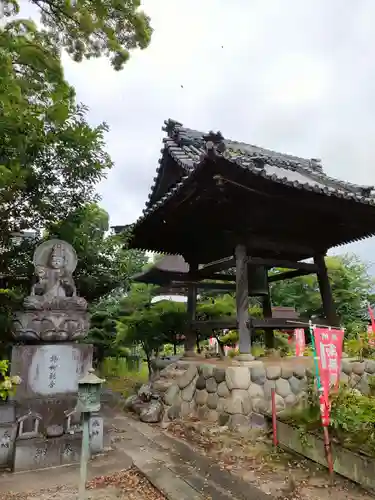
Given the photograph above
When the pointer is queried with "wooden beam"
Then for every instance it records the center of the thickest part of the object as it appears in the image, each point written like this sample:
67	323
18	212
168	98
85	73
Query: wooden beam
256	323
325	291
288	275
275	323
216	266
215	276
225	287
258	242
221	323
208	271
204	285
191	277
288	264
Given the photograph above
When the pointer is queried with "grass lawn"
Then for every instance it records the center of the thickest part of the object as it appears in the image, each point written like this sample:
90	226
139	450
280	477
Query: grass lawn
121	379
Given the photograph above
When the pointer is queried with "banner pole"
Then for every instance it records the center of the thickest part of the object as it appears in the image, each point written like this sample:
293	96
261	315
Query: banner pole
312	338
274	417
327	441
303	323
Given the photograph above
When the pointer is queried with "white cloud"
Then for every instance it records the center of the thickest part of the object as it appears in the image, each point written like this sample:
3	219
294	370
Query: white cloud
302	80
289	75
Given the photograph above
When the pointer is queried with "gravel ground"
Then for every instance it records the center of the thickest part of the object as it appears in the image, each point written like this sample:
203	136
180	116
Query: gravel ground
252	457
129	484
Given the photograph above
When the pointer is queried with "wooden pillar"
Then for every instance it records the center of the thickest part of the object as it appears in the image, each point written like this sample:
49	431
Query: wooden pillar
242	301
190	335
267	313
325	291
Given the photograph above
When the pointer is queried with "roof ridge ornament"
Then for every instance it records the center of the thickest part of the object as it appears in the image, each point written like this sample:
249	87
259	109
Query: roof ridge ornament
259	162
366	191
214	143
170	126
316	165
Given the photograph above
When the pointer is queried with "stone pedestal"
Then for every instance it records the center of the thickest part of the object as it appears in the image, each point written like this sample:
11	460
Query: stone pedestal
8	430
53	318
244	358
41	453
45	403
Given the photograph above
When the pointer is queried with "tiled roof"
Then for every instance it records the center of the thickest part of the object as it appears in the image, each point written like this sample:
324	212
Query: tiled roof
160	272
188	148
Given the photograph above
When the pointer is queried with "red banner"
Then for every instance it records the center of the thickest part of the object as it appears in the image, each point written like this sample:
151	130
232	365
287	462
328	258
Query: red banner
371	328
299	335
324	410
328	345
371	336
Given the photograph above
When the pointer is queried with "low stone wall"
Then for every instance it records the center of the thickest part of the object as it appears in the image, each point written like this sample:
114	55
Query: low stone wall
237	395
231	395
357	467
357	374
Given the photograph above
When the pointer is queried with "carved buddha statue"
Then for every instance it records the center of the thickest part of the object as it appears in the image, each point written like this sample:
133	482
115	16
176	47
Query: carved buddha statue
53	311
55	279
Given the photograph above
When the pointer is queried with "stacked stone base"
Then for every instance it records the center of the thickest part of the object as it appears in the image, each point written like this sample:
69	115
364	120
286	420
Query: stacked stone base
8	432
233	396
40	453
236	396
358	374
46	428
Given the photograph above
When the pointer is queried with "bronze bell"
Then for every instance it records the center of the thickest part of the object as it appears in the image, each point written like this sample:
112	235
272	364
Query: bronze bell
257	280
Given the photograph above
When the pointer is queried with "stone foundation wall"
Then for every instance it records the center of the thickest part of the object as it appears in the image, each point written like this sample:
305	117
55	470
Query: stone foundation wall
239	395
229	395
358	374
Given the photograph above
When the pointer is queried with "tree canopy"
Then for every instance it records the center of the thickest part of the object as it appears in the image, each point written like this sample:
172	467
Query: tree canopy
151	325
352	286
104	264
90	28
50	157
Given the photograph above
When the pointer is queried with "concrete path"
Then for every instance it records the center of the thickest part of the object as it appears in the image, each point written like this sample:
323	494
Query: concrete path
172	466
68	475
175	468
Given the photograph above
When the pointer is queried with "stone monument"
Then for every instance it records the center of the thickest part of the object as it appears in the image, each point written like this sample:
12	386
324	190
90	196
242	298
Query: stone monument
50	362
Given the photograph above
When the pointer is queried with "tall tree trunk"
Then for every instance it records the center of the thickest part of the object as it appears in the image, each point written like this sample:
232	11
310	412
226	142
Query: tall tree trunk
148	358
197	343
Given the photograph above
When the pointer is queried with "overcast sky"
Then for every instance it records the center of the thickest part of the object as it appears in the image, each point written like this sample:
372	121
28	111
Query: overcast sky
291	75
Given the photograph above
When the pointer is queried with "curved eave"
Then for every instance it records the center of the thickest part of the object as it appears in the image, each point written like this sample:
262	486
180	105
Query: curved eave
254	170
153	277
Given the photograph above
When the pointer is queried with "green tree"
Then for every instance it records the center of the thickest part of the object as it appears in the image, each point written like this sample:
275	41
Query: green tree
351	284
153	325
220	307
149	325
91	28
50	158
104	264
102	335
37	113
103	273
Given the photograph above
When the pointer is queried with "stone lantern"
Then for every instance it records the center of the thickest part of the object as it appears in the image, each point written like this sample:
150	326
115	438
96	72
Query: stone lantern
89	390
